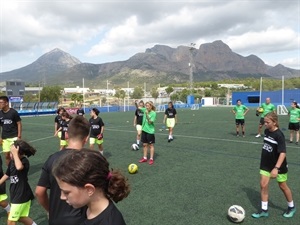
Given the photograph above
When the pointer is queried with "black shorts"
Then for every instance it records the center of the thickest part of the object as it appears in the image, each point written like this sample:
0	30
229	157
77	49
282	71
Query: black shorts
147	138
262	121
294	126
240	121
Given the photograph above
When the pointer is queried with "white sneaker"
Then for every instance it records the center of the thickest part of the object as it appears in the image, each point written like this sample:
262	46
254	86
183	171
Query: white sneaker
257	136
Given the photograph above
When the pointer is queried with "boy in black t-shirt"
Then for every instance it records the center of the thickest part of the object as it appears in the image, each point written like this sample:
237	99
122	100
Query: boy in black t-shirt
20	191
59	212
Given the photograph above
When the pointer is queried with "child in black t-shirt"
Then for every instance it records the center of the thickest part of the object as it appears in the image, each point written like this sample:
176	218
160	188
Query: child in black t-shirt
273	164
85	180
20	191
3	196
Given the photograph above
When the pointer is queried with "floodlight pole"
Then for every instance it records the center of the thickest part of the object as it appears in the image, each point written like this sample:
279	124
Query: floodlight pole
191	64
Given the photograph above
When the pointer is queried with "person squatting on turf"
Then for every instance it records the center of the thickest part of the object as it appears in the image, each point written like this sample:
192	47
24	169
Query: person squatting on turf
138	121
97	129
294	114
3	196
20	191
59	212
148	131
240	111
170	119
273	164
85	180
11	126
65	121
267	108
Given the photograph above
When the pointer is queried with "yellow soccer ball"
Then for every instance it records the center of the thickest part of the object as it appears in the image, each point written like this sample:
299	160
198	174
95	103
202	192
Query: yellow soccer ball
132	168
260	110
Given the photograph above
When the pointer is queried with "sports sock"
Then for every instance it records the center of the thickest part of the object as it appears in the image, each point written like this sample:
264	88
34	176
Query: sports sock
237	133
243	133
101	152
7	208
264	206
33	223
138	142
291	204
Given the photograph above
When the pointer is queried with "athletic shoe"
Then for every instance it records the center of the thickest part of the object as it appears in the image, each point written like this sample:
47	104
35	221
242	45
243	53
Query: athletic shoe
244	136
290	212
262	213
257	136
143	160
297	143
169	139
151	161
237	135
291	141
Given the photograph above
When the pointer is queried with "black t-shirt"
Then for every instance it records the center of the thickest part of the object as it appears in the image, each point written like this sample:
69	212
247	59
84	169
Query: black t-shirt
58	120
170	112
110	216
64	130
2	186
9	123
139	116
96	125
274	144
20	191
80	112
60	212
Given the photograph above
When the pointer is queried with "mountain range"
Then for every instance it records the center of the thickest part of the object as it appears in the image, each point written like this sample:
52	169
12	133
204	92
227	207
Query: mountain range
159	64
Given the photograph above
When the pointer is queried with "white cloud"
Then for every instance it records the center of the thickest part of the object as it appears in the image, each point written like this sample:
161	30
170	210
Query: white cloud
106	30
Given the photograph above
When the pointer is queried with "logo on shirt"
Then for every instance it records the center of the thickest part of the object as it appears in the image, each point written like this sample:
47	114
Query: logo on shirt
268	147
94	127
14	179
7	121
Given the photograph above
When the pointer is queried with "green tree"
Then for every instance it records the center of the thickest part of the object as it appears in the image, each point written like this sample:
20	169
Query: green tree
154	93
137	93
169	90
51	94
30	98
174	97
207	93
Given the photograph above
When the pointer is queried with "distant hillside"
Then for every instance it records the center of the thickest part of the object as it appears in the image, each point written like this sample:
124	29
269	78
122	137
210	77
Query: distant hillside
159	64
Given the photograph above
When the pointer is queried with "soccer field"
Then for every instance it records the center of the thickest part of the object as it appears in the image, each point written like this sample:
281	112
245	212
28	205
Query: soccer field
194	179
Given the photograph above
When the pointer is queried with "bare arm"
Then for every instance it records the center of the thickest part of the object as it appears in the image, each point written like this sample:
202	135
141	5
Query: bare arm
19	124
42	197
3	179
280	160
247	110
15	152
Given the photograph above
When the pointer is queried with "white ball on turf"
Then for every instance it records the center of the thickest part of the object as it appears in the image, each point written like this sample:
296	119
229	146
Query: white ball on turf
135	147
236	213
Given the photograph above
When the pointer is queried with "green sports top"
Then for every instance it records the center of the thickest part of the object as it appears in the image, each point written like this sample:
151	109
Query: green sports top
267	109
294	115
239	111
146	126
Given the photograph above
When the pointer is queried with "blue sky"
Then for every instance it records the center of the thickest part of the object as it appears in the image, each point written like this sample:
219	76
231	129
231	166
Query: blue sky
105	31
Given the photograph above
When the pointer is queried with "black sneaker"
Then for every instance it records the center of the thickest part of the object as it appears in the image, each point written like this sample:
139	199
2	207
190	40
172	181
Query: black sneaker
297	143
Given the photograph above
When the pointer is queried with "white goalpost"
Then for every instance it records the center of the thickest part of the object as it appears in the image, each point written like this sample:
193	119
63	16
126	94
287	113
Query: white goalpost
281	109
195	107
160	108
